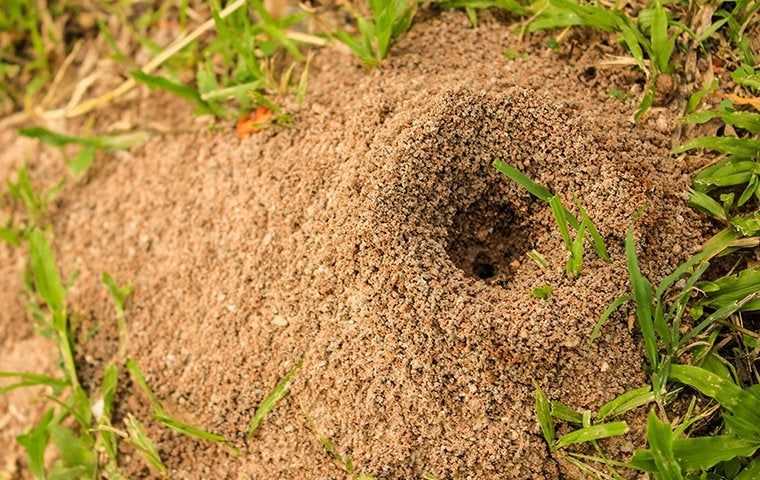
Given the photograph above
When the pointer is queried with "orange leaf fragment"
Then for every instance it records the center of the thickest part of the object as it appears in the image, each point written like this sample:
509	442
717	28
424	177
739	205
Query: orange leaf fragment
753	101
253	122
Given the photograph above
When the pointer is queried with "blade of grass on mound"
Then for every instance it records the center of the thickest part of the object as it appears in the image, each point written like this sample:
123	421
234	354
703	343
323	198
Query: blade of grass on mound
706	203
119	296
660	439
599	245
748	225
626	402
746	120
699	453
558	210
140	440
106	142
107	395
48	285
10	235
716	245
726	173
543	292
538	191
751	471
271	400
562	412
137	376
747	77
719	315
643	295
742	406
575	263
163	417
732	288
662	43
743	147
544	417
187	429
30	379
35	442
155	82
539	260
611	308
593	432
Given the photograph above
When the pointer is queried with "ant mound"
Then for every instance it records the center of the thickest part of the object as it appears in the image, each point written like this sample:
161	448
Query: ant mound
375	244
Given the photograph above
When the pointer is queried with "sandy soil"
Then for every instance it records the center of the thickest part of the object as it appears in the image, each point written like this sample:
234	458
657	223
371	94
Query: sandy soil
374	241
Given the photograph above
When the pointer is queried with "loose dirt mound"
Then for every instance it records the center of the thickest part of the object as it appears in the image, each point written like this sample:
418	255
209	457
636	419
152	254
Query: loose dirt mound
374	241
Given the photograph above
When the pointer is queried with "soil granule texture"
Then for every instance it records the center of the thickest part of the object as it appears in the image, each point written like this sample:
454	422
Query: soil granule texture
375	242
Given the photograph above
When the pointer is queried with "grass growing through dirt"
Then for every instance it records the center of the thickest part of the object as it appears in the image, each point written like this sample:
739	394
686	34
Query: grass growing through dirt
564	219
387	21
681	322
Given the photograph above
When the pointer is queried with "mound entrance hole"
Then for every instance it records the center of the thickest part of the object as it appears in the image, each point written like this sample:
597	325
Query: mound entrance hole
488	240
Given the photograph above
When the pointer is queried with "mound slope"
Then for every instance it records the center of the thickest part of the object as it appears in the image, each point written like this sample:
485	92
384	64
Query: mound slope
375	242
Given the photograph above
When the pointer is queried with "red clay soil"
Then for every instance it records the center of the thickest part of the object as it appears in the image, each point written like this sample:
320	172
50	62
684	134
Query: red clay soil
374	241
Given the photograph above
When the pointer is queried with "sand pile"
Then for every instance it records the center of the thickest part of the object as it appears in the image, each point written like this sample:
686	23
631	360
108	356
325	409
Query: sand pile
374	241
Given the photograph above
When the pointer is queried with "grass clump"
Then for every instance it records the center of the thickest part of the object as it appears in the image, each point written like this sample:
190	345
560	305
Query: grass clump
471	7
387	21
564	219
82	161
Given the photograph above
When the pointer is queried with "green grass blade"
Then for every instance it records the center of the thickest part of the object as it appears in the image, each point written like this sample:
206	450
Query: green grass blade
47	283
751	472
30	379
747	77
108	387
626	402
746	120
544	417
538	191
543	292
748	225
599	245
107	142
575	263
82	161
643	295
594	432
662	44
137	376
563	412
721	314
743	147
118	294
47	280
700	453
155	82
271	400
139	439
725	392
539	260
35	442
660	438
713	247
611	308
188	429
708	204
558	210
